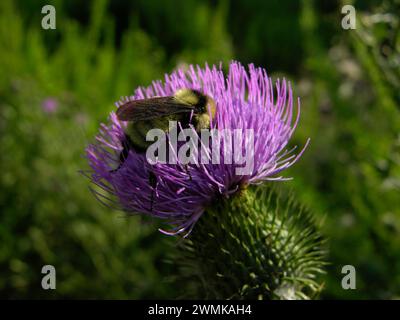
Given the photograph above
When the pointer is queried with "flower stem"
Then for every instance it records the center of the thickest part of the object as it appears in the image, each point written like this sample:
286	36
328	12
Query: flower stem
258	244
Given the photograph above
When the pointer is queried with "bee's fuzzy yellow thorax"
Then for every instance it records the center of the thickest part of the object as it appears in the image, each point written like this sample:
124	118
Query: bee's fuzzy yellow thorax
186	96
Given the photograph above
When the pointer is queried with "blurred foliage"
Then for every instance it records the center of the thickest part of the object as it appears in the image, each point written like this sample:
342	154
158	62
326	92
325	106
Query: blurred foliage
350	175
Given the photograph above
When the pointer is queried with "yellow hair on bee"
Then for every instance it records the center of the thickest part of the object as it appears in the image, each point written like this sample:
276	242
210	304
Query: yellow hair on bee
186	96
211	107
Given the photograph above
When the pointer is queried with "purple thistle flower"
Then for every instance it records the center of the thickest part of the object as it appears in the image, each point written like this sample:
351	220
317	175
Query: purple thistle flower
245	100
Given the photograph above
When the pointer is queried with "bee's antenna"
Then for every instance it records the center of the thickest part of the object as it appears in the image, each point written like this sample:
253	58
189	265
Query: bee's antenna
191	116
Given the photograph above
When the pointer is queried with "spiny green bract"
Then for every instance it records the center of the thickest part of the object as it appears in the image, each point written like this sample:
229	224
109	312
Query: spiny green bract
259	245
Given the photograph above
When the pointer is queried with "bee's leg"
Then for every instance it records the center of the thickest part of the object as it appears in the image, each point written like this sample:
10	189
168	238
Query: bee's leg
188	172
153	184
124	153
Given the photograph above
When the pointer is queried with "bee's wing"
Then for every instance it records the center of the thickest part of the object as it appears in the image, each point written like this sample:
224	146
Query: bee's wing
146	109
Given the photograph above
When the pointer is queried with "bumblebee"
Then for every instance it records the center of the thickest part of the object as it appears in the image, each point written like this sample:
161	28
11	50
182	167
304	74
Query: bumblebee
186	106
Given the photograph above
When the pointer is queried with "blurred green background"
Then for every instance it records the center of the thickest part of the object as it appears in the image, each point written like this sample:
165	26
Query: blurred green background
56	86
